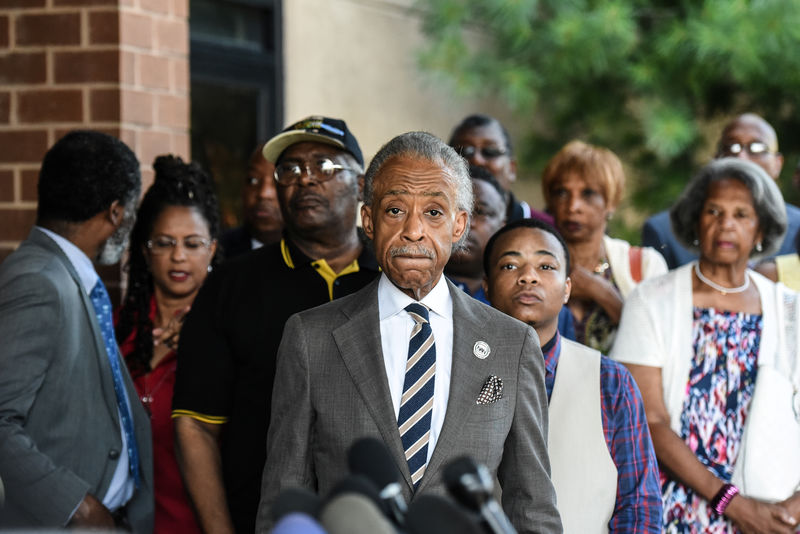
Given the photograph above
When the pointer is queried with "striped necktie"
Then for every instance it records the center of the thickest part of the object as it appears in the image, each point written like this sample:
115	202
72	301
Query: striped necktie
416	405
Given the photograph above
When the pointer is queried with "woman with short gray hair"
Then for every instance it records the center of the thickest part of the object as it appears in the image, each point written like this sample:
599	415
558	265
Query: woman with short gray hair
701	341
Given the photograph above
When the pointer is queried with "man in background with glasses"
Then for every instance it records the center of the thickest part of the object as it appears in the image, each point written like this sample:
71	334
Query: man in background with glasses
484	142
226	357
748	137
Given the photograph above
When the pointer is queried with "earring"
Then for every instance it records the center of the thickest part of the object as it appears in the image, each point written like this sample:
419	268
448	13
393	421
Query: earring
695	242
609	215
759	248
210	268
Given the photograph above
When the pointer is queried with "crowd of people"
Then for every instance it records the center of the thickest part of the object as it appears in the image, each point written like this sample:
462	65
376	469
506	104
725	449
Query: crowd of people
605	387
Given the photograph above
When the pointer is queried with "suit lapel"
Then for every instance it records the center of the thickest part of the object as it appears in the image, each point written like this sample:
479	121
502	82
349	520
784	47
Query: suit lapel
359	343
466	378
107	381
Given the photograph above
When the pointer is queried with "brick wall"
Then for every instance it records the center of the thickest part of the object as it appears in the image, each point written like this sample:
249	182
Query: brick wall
119	66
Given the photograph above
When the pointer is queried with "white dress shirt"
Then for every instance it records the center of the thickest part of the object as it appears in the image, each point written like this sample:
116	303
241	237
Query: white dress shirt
396	325
122	485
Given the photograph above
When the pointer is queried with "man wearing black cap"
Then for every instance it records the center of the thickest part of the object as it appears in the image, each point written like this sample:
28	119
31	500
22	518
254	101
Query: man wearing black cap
226	359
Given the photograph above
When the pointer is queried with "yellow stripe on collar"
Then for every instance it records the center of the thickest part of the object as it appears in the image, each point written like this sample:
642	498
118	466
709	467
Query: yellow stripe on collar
325	271
287	258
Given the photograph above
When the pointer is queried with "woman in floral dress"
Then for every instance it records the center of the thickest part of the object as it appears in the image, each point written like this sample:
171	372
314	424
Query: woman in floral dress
694	340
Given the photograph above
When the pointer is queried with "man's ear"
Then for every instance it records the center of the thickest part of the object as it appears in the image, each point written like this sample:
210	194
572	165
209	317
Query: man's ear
485	285
460	225
366	220
115	213
513	168
567	289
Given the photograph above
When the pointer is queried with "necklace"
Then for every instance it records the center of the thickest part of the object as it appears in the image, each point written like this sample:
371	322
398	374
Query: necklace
601	267
722	289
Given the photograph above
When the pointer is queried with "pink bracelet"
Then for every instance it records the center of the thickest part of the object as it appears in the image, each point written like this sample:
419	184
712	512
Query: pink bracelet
723	498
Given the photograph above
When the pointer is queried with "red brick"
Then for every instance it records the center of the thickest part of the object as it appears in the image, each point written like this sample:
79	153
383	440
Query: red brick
22	146
148	176
57	29
104	27
81	67
4	23
129	138
182	145
154	72
157	6
85	3
5	107
50	105
15	224
137	107
173	36
180	76
6	186
23	68
128	67
136	30
104	105
23	3
152	144
180	8
29	181
173	112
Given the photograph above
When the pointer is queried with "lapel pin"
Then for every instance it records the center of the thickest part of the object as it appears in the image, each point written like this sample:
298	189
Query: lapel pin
481	350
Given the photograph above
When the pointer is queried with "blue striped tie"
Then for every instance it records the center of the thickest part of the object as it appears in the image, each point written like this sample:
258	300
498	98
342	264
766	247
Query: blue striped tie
416	405
102	308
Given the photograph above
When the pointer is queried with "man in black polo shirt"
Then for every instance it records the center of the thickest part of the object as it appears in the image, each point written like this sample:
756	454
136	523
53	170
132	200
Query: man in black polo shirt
226	359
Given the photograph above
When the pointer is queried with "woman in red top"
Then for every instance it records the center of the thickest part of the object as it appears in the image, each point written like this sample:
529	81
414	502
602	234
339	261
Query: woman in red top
173	246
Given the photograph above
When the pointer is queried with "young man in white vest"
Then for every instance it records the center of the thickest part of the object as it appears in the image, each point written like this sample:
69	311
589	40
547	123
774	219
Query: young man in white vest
603	465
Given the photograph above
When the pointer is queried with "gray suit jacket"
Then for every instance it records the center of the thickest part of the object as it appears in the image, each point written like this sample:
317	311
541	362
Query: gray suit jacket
331	389
59	423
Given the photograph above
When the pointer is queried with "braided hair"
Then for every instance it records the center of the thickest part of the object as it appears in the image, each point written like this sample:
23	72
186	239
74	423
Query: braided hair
176	184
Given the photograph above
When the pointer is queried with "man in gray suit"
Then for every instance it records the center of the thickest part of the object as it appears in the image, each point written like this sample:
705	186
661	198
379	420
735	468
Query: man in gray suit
411	359
75	443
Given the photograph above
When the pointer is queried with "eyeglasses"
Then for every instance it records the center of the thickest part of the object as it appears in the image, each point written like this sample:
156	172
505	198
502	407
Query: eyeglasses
755	148
323	169
488	152
193	245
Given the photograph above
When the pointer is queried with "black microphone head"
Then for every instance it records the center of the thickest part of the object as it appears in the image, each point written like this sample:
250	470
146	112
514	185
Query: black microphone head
469	482
433	514
295	500
358	485
352	513
370	457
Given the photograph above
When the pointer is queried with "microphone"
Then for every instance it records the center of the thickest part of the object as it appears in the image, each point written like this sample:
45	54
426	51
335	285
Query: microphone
369	457
297	523
470	483
433	514
359	485
351	513
295	500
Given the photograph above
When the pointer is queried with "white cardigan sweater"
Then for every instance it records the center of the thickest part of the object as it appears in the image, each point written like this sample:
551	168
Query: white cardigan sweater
656	330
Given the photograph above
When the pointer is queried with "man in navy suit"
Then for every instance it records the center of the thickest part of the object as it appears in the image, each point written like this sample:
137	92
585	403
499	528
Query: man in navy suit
749	137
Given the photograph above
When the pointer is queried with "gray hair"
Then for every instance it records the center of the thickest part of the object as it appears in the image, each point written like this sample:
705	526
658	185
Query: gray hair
767	202
424	146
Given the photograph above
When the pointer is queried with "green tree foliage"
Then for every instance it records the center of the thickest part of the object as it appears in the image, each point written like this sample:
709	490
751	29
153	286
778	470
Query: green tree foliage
651	79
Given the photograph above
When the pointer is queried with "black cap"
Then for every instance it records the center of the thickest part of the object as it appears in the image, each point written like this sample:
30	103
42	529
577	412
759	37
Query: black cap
315	128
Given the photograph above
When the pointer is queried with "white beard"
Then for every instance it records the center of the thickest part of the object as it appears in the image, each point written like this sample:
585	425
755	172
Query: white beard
111	251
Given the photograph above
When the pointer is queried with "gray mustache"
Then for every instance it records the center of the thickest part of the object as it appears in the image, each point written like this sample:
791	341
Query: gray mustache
409	250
